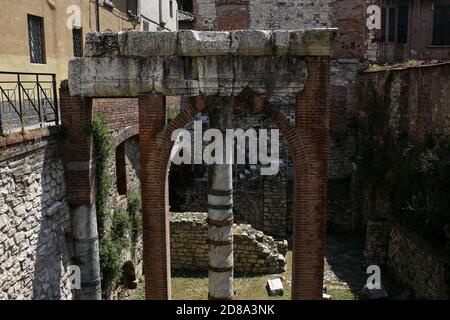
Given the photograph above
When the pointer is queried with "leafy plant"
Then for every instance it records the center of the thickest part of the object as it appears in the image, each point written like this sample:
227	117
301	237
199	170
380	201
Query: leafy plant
110	260
104	146
120	228
134	214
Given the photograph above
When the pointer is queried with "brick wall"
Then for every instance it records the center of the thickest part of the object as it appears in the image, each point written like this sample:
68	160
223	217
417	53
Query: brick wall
420	265
417	107
120	113
122	117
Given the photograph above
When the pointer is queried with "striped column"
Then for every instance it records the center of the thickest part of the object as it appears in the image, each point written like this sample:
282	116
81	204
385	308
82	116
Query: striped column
220	209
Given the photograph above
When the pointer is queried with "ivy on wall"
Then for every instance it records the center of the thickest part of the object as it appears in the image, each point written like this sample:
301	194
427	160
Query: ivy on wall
125	225
104	147
412	175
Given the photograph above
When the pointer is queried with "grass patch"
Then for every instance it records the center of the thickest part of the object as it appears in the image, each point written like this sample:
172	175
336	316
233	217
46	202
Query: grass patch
194	286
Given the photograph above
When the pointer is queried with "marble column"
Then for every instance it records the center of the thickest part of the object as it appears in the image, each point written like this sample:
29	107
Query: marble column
220	208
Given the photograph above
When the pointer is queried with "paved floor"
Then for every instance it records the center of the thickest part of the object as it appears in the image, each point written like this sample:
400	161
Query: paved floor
344	263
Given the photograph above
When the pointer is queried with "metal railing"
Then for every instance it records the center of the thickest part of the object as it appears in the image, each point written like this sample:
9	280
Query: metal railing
27	100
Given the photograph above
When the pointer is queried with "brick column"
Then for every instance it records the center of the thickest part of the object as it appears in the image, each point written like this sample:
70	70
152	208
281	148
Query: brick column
310	186
156	232
76	115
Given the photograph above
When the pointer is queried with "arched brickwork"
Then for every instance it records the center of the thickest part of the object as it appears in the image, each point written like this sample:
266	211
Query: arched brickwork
306	77
126	134
309	215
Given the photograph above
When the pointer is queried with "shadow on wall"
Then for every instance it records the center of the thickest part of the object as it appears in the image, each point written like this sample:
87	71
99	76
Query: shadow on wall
133	163
52	252
344	263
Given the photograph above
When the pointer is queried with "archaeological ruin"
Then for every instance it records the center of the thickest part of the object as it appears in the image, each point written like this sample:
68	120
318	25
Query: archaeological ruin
213	70
92	207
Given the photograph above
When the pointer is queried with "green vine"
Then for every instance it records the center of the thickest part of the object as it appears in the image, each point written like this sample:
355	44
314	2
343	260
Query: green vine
104	147
110	260
125	225
134	215
111	243
412	175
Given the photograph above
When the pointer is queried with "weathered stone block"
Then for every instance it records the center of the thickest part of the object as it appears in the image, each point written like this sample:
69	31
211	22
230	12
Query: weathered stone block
147	44
252	42
195	43
274	287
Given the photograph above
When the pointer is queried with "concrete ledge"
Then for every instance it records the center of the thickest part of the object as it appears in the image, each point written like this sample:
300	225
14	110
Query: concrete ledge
190	63
315	42
14	144
28	136
186	76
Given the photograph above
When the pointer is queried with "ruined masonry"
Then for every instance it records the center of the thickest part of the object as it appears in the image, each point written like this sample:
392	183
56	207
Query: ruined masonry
254	252
215	71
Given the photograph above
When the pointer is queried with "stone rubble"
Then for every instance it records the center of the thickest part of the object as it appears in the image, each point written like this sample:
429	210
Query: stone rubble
254	252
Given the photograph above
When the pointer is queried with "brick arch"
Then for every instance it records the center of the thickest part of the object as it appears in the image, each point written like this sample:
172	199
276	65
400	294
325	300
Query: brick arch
126	134
249	101
157	145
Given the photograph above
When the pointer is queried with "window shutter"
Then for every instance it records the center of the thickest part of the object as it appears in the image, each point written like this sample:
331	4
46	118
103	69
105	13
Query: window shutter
402	28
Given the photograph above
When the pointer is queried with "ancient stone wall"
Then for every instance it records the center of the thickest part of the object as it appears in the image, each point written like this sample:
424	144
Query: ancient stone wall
254	252
418	97
258	200
175	78
350	50
418	106
34	218
34	214
411	104
420	265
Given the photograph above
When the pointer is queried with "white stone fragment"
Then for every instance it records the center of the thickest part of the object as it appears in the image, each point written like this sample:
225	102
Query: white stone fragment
275	287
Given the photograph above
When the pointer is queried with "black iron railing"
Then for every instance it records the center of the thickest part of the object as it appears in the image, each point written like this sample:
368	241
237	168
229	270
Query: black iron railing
27	100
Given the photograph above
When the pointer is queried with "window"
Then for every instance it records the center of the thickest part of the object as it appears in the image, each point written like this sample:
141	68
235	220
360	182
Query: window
186	5
441	26
121	171
146	26
77	35
394	24
132	7
171	8
403	18
36	39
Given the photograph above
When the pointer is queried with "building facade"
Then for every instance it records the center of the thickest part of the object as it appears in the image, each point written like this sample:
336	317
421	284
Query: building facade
159	15
418	30
41	36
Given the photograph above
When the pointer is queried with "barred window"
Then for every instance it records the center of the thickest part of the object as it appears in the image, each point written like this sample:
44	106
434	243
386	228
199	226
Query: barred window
441	25
36	39
394	24
186	5
146	26
77	35
121	170
403	18
132	6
